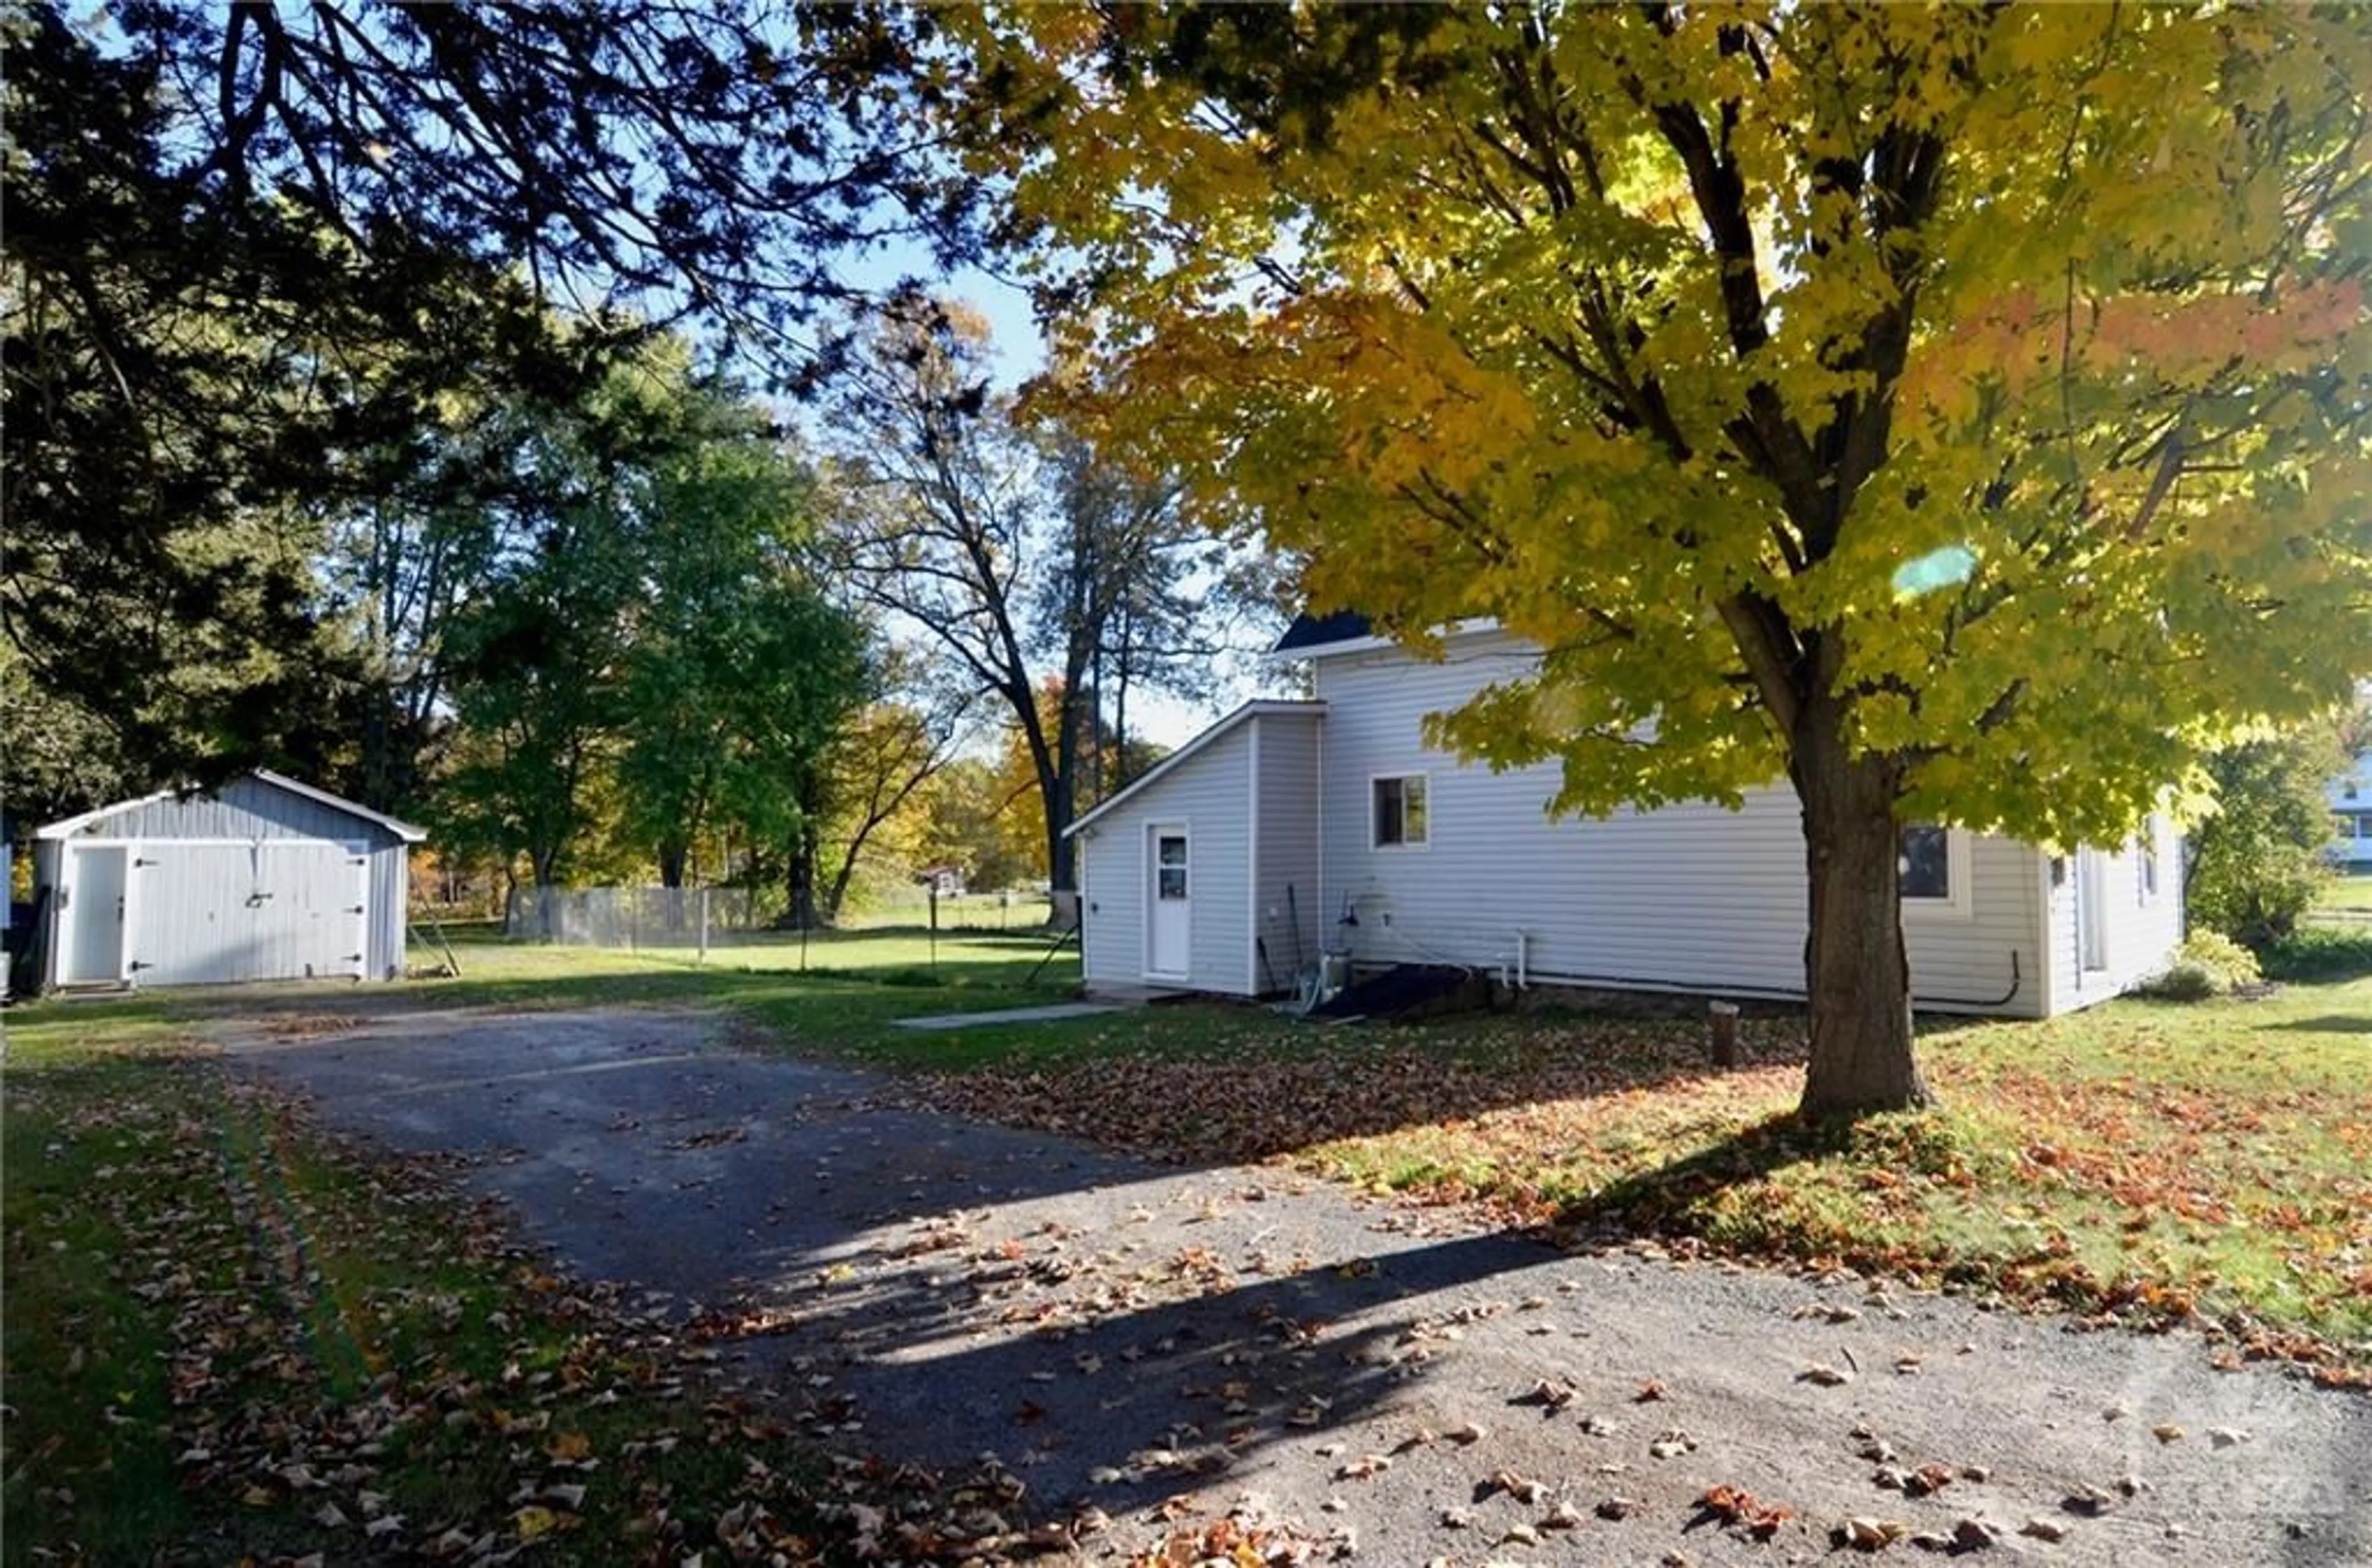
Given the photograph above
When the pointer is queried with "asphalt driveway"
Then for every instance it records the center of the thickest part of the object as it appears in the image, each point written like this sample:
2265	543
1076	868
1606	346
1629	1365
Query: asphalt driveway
1168	1345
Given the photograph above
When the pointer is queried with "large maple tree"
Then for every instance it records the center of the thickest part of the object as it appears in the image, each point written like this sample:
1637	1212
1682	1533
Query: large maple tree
1957	412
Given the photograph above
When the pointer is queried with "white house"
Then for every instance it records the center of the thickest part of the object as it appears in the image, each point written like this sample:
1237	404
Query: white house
1291	829
268	880
2351	815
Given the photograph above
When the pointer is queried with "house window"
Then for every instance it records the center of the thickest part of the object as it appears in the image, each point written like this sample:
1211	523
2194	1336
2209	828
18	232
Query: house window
2147	846
1926	862
1401	815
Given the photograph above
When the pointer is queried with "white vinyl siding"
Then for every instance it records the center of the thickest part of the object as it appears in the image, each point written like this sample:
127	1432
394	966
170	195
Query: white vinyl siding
1690	897
259	812
1960	950
1210	796
1285	868
2143	930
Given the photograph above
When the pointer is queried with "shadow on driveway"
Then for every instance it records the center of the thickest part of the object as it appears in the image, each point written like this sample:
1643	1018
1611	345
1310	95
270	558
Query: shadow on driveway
928	1289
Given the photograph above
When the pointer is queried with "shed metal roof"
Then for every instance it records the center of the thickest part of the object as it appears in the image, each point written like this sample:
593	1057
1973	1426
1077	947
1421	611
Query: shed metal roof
409	832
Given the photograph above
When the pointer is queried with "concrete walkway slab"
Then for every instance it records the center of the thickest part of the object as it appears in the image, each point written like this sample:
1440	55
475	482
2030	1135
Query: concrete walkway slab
1052	1012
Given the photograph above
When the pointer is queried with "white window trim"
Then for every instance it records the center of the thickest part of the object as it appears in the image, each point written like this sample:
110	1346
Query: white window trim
1959	904
1375	825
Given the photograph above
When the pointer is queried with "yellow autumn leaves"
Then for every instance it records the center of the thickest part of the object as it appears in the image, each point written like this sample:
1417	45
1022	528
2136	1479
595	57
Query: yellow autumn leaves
1606	323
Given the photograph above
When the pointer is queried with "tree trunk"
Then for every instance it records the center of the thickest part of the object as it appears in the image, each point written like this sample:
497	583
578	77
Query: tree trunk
1062	856
835	893
1856	973
801	882
673	853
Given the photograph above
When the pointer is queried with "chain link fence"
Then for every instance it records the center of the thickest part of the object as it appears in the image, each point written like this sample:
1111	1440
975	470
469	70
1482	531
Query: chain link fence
634	918
705	919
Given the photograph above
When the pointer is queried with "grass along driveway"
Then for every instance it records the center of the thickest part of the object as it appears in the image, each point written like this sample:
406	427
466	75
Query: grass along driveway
231	1337
2151	1163
229	1332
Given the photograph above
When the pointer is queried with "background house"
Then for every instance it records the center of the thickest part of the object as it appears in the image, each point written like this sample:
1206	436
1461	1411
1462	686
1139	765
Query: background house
1289	829
2351	815
268	880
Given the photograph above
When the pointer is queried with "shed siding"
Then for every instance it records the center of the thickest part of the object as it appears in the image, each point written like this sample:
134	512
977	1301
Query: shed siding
391	910
2143	932
1211	794
1691	896
1284	866
277	909
248	811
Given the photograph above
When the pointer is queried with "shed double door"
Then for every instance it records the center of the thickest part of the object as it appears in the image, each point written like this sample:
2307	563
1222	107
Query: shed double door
215	912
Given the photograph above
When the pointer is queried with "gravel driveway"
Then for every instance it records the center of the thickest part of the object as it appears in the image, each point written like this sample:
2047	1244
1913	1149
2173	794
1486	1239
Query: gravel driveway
1169	1346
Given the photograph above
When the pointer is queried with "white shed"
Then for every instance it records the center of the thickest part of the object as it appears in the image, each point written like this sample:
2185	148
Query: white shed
266	879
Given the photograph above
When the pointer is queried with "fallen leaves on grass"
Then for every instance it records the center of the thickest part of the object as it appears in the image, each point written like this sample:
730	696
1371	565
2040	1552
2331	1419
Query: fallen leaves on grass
354	1362
2116	1201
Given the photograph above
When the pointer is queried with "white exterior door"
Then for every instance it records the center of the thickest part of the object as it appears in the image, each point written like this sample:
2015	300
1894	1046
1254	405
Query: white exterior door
94	915
1169	928
272	910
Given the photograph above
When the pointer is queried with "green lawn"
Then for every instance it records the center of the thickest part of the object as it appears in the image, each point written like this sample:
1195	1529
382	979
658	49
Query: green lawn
843	1001
2347	896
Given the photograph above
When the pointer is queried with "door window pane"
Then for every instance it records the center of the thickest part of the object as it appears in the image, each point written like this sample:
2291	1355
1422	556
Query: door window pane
1170	855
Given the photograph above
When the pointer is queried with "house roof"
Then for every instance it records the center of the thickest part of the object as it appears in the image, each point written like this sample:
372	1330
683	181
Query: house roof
1310	631
1350	632
1251	710
407	832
